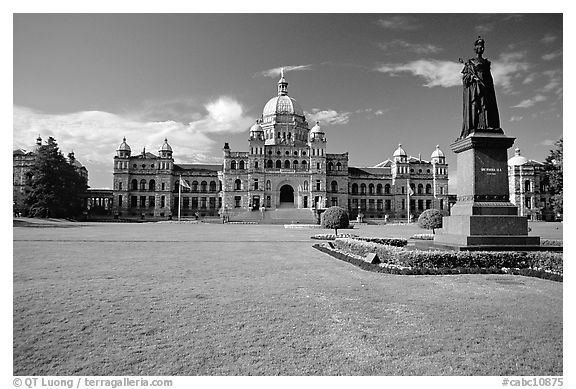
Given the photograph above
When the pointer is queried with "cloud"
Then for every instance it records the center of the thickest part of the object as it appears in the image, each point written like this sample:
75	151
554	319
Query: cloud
548	142
554	83
328	117
548	38
417	48
403	23
434	72
530	102
551	56
529	78
95	135
516	118
508	67
484	28
275	72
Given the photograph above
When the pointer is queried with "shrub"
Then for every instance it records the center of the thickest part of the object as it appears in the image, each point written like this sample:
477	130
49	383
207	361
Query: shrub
423	237
332	236
430	219
537	260
389	241
551	242
335	217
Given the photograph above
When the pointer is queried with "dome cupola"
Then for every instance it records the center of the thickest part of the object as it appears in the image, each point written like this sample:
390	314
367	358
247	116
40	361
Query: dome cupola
165	150
399	154
316	132
438	156
256	131
517	159
123	150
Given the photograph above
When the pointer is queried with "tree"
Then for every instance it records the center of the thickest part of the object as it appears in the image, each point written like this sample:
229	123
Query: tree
430	219
554	167
335	217
56	187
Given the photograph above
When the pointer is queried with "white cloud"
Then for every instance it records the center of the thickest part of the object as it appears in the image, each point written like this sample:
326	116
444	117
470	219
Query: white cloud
508	67
275	72
418	48
548	142
434	72
516	118
95	135
484	28
328	117
548	38
530	102
551	56
405	23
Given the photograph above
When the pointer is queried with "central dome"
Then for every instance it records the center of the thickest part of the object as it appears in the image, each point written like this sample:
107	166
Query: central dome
282	105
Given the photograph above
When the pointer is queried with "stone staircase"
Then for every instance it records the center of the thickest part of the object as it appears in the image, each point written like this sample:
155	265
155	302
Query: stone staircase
276	216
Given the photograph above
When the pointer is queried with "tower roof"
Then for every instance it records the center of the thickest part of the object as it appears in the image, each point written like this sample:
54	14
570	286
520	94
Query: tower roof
517	159
124	146
165	146
437	153
399	152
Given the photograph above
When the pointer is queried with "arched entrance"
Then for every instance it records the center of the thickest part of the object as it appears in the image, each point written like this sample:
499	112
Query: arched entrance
286	196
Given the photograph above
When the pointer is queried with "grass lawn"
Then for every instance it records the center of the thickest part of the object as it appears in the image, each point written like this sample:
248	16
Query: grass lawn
187	299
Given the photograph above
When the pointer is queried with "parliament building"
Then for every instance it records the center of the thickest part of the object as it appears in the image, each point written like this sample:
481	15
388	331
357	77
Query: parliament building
287	168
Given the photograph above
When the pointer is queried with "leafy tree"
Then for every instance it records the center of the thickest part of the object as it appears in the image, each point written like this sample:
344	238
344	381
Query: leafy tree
335	217
554	167
430	219
56	187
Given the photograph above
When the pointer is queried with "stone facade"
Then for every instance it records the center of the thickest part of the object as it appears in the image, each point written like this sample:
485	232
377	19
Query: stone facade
286	166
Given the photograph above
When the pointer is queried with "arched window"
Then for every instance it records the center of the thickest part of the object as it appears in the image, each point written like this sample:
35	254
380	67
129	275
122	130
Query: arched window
295	165
268	185
220	185
278	164
334	186
354	188
362	188
142	184
371	188
185	189
304	165
387	189
152	185
120	185
241	167
238	185
287	164
379	189
413	187
527	186
194	186
269	164
233	165
212	186
428	189
338	166
134	184
420	188
203	186
305	185
330	166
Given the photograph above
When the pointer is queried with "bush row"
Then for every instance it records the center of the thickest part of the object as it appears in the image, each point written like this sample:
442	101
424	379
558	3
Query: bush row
539	260
388	241
423	237
332	236
379	268
551	242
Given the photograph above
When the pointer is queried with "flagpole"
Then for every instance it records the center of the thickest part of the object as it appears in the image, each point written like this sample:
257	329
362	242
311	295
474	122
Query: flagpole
179	195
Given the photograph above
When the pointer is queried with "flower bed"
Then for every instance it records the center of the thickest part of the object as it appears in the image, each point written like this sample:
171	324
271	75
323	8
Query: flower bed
332	236
423	237
387	241
408	261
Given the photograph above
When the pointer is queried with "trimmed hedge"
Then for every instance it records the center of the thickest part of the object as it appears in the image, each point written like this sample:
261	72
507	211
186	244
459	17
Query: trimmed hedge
539	260
332	236
551	242
422	237
382	268
387	241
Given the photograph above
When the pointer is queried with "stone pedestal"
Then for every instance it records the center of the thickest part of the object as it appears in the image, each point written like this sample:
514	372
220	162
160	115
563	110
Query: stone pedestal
483	216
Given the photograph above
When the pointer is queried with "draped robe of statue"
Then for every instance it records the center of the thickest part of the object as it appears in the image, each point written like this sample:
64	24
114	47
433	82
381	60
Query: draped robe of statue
480	109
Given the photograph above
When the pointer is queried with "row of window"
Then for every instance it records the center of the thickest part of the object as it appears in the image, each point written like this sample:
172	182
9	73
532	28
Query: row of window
150	186
256	186
386	205
404	170
377	189
124	165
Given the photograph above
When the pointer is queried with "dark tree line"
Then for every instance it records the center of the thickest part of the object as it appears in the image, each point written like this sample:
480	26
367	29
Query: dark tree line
554	165
56	188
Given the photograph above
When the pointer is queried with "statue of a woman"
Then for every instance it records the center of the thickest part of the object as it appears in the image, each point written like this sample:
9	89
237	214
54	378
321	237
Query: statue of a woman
480	109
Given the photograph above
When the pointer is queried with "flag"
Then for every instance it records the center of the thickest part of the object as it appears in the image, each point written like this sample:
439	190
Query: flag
410	192
184	183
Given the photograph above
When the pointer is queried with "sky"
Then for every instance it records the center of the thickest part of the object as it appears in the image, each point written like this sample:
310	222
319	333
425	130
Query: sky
373	81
